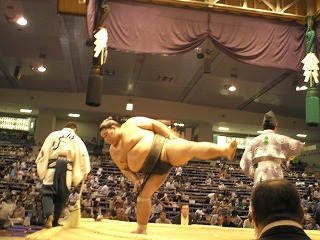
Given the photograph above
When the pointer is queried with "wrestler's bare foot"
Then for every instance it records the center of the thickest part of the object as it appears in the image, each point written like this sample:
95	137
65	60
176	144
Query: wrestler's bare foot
231	149
48	223
141	229
139	232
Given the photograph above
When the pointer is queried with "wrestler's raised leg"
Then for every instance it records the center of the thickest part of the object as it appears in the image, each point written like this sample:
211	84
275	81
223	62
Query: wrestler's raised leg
144	201
180	151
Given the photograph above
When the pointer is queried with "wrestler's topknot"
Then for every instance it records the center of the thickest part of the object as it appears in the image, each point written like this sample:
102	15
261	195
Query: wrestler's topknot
107	123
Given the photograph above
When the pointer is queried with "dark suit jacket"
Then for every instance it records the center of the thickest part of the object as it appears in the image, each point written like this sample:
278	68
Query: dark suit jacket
284	233
177	219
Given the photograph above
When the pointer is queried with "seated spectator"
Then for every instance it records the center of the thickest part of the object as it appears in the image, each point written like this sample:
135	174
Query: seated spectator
276	211
114	209
162	196
87	202
112	193
163	218
29	199
305	202
170	184
240	205
18	213
104	190
85	213
37	217
131	212
236	219
248	223
112	203
111	178
200	213
96	210
73	197
177	195
306	218
228	221
208	181
120	216
184	218
5	212
219	221
156	208
312	225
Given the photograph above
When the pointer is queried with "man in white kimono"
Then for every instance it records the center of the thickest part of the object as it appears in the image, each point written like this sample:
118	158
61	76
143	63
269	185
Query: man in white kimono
263	157
63	159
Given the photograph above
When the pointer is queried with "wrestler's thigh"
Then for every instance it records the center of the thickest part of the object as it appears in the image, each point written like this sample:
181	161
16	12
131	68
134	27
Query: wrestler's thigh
179	151
153	184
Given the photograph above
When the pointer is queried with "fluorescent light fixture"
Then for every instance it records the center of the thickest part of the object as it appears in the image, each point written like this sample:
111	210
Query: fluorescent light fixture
41	69
76	115
129	106
22	21
259	131
223	128
26	110
232	88
301	135
179	124
302	88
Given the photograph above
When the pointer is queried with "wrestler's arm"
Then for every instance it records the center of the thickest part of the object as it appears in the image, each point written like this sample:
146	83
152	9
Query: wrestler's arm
132	176
152	125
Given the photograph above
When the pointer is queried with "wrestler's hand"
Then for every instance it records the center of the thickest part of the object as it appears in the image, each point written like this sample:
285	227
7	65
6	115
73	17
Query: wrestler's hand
136	185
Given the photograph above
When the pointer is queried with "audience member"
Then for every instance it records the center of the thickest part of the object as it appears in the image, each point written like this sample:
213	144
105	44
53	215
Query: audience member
18	213
163	218
236	219
276	211
120	216
131	211
37	217
156	208
248	223
184	218
73	197
228	221
312	225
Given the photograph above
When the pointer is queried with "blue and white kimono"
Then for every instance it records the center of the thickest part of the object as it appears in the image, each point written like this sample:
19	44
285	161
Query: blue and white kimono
263	157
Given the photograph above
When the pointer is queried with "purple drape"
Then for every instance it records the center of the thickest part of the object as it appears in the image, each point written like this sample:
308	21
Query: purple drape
163	29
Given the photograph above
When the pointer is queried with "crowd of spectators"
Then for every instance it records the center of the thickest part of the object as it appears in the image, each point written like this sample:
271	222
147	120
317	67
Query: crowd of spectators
108	194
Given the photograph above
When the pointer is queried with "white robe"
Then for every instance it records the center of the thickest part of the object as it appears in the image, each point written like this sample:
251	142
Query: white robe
268	150
63	143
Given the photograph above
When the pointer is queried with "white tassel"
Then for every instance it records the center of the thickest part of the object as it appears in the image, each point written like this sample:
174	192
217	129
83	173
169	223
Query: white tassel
310	67
101	41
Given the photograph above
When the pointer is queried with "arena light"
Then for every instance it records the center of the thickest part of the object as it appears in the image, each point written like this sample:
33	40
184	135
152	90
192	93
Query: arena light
223	128
42	69
26	110
75	115
301	135
232	88
22	21
129	106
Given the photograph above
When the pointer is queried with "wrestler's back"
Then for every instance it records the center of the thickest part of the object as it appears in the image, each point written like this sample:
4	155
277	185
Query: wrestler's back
133	148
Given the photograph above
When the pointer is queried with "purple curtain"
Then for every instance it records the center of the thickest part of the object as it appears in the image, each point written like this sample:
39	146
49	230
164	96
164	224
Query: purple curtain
163	29
317	29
